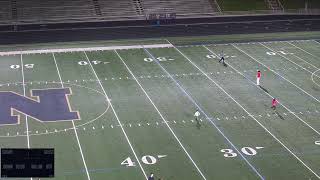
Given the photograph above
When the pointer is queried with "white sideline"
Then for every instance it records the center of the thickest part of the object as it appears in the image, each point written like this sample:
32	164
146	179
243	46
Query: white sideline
160	114
102	48
74	127
249	114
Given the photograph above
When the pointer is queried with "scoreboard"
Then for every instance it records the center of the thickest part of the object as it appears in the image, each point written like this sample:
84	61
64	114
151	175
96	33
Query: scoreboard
27	163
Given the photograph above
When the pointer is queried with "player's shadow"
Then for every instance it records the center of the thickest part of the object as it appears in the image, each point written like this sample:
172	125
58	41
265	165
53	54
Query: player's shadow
279	115
225	65
198	125
264	89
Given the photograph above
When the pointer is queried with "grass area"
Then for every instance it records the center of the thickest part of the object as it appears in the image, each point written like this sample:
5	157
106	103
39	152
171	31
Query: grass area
299	4
137	105
242	5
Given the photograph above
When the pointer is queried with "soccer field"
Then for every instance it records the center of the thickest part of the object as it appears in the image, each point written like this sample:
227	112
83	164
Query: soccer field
136	105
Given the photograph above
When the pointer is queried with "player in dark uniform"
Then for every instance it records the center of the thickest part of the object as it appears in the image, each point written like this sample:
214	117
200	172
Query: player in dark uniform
222	59
151	177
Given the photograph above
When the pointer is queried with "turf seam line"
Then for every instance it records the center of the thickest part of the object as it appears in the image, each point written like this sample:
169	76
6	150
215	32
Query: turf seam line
267	129
125	134
196	104
162	117
74	127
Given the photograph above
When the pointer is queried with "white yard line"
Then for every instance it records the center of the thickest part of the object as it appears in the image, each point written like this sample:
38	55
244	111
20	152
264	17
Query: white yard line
116	115
275	72
74	127
267	93
249	114
162	117
24	93
303	50
207	117
316	42
290	60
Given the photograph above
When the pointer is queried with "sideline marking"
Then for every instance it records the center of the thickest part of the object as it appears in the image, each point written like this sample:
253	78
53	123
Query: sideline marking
83	49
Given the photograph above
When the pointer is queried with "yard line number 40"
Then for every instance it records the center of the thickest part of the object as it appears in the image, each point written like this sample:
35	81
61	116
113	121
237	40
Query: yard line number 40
147	159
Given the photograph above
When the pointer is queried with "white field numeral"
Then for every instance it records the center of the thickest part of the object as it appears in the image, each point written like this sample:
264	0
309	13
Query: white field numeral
228	153
278	52
16	66
211	56
161	59
249	151
147	159
84	63
128	162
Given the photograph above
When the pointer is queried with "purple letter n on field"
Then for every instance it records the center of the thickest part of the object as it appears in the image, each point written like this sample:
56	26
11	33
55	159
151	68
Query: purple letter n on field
52	105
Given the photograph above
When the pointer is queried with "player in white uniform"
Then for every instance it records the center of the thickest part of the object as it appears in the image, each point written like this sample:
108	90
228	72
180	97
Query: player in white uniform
197	114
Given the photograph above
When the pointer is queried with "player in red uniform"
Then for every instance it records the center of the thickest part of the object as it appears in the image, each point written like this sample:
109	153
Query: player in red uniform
274	103
258	77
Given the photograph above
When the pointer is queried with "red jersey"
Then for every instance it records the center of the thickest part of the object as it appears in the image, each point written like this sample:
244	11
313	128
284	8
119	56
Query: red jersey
274	102
258	74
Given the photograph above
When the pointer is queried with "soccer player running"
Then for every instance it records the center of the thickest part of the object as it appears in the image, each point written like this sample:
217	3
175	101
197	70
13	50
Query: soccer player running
151	177
274	103
221	59
197	114
258	77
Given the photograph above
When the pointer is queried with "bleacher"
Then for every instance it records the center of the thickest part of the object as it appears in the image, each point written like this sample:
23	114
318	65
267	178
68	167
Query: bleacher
117	9
180	7
53	9
29	11
5	10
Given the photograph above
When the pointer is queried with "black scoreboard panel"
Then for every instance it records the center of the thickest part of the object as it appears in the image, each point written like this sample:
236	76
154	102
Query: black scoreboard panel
27	163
